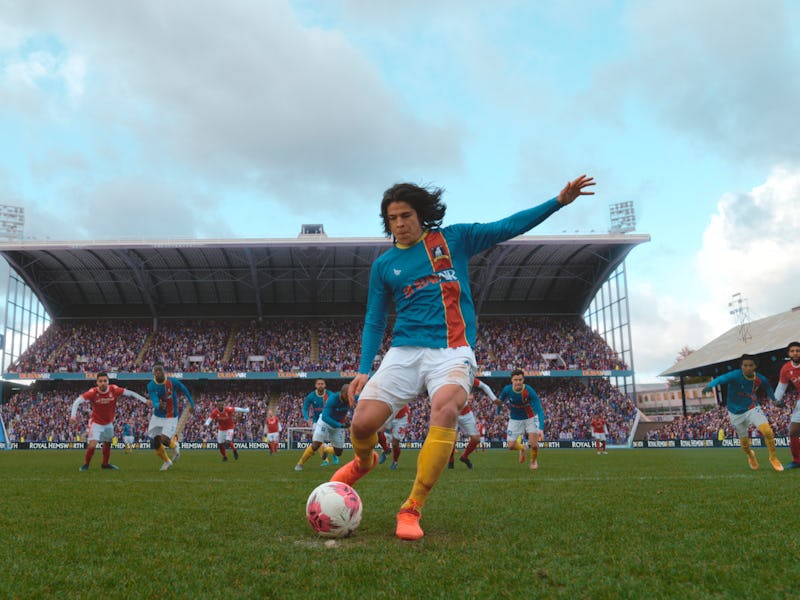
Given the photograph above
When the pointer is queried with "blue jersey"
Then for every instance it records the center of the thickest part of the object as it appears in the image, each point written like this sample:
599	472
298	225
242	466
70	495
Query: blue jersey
742	392
127	429
428	283
165	397
313	405
335	411
523	405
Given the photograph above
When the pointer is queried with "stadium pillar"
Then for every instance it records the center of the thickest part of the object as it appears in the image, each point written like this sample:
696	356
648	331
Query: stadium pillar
683	396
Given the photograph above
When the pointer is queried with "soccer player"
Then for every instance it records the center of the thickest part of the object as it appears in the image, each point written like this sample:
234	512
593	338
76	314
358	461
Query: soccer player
426	276
468	425
599	433
223	415
330	425
482	434
127	438
103	398
525	417
164	393
272	429
312	409
790	373
744	410
396	428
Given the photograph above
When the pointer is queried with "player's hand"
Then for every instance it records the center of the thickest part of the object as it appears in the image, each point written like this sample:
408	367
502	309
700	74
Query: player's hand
575	188
358	383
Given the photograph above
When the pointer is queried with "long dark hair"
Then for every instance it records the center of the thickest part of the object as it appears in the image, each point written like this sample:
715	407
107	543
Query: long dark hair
426	201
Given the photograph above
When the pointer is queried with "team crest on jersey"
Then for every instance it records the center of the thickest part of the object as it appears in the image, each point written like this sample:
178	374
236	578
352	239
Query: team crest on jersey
439	253
397	272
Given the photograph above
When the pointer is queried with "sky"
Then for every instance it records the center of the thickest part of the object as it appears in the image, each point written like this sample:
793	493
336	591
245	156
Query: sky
203	119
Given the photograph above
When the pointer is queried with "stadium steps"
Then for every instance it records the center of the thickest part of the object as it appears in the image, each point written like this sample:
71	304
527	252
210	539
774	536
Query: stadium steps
147	341
226	356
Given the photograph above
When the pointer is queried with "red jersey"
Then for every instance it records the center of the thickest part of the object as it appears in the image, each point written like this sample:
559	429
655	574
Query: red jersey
790	374
104	404
224	417
467	409
481	428
273	425
403	412
599	425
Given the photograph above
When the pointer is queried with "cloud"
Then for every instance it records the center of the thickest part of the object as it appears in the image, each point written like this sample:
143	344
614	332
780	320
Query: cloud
749	245
244	94
719	73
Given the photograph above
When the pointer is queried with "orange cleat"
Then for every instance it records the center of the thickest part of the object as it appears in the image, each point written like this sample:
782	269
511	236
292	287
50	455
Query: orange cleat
751	459
352	472
776	464
408	524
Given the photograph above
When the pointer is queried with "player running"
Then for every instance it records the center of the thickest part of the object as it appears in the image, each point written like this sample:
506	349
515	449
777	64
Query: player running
525	417
330	425
744	410
790	373
396	429
164	393
469	426
272	429
223	415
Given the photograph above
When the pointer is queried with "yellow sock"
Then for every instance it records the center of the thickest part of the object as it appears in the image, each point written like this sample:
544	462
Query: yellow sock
363	449
306	455
432	459
173	442
745	444
162	453
769	438
534	453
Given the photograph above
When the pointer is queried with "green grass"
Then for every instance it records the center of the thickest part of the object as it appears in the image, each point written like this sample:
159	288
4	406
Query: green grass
633	524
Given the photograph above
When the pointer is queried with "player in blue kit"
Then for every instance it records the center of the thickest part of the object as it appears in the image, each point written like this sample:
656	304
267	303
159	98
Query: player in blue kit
425	275
525	417
330	425
744	386
313	405
165	392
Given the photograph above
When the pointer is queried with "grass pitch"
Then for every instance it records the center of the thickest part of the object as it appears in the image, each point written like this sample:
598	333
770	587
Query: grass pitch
670	523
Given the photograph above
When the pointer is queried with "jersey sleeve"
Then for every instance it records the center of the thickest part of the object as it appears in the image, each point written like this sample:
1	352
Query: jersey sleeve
375	319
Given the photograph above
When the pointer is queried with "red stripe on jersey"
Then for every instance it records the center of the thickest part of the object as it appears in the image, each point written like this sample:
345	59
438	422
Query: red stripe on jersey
439	256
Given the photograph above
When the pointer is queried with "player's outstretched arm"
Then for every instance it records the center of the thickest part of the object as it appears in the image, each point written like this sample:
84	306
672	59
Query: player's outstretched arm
576	187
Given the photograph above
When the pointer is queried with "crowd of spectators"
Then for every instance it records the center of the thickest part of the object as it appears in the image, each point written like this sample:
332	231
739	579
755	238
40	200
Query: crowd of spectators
293	345
41	412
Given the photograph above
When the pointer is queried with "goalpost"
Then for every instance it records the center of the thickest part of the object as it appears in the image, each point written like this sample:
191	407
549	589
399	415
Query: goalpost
298	435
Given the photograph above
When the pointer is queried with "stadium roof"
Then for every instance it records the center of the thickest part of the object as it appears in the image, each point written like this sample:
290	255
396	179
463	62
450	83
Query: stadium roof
306	276
768	336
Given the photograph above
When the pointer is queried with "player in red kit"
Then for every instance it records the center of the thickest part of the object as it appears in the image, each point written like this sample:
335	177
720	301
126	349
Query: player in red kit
468	424
599	433
272	429
223	415
396	428
790	373
103	398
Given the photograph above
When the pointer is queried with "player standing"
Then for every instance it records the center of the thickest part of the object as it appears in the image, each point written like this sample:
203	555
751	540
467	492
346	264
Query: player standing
272	429
790	373
599	433
127	438
426	275
525	417
743	409
223	415
165	393
103	398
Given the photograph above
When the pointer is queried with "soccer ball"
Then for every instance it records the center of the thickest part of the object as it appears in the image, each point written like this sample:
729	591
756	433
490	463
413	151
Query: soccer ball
334	509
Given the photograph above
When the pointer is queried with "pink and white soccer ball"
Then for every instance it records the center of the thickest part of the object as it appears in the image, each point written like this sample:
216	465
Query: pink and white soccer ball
334	509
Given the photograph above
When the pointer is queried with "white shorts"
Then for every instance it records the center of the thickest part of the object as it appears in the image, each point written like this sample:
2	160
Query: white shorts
407	371
396	428
224	435
273	437
101	433
599	436
522	427
741	423
127	440
326	433
162	426
467	424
